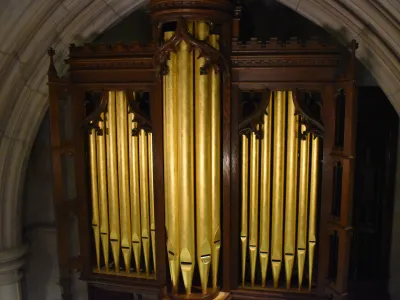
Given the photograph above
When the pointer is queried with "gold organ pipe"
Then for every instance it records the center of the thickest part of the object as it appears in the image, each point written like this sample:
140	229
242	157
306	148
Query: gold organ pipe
291	189
112	173
166	152
277	185
265	188
186	164
151	199
123	178
171	178
254	183
245	193
312	234
95	195
303	201
215	166
144	197
203	161
102	185
135	193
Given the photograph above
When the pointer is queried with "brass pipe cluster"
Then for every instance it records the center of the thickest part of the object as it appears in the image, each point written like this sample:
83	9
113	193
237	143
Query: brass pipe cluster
279	209
121	172
192	163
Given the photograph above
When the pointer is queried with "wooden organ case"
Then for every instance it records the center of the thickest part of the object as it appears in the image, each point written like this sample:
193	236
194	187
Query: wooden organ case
201	166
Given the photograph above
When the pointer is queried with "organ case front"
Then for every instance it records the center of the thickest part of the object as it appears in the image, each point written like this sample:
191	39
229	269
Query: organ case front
206	166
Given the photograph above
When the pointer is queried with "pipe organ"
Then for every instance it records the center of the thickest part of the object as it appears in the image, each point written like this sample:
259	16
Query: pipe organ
207	166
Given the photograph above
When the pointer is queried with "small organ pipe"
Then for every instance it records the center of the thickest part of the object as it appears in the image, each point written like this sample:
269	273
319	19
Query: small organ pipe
151	199
245	191
303	205
291	189
113	201
254	182
95	195
277	185
312	230
135	193
102	184
144	197
123	178
265	190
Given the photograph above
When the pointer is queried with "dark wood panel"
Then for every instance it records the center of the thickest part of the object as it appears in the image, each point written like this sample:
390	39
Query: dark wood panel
376	151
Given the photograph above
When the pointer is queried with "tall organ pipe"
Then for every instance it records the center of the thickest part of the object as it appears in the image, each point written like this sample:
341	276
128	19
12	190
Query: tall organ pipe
123	180
144	197
171	138
215	165
277	186
135	193
203	160
312	234
102	184
95	194
291	189
185	110
303	205
245	192
151	199
113	201
265	189
254	182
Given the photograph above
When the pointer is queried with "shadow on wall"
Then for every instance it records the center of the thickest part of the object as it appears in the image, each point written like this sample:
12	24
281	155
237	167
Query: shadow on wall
41	271
364	69
124	31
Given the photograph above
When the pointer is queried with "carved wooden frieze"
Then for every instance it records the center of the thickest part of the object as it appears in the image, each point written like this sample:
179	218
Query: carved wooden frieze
114	50
292	45
113	57
276	61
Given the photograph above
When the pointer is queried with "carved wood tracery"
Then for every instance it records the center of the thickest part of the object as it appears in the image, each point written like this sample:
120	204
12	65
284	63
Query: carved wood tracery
92	121
142	119
309	117
213	57
252	122
100	101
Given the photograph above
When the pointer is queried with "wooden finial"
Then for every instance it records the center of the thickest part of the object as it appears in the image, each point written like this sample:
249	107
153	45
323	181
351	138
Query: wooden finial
52	71
353	46
236	18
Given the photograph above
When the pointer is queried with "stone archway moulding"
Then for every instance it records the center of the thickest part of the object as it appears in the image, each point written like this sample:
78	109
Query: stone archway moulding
29	27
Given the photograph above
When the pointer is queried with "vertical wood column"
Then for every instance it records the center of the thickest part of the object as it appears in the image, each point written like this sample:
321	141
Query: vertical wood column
347	157
59	149
337	186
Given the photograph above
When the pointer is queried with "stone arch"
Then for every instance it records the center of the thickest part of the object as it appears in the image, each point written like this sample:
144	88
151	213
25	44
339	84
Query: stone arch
29	27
